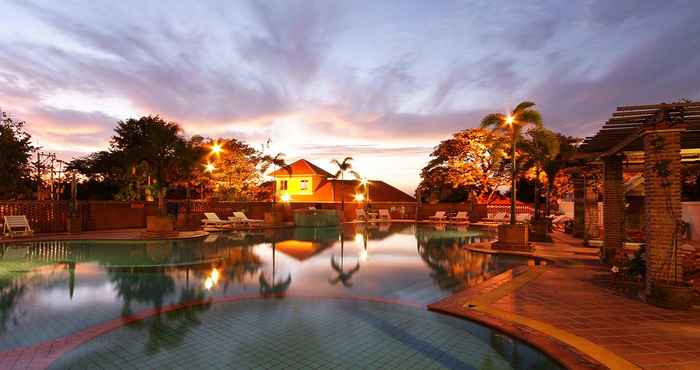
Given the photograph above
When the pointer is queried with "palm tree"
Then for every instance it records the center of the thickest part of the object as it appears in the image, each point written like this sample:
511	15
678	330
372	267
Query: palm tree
522	116
276	161
343	167
541	151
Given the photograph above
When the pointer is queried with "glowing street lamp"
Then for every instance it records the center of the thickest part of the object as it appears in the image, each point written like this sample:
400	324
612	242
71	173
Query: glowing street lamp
209	167
285	198
359	197
216	148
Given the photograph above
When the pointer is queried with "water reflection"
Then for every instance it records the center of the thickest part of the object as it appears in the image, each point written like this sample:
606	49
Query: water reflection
276	288
98	281
342	276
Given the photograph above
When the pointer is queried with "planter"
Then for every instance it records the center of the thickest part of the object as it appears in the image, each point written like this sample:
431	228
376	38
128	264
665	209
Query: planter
679	297
74	224
316	217
274	218
160	227
188	222
513	238
539	230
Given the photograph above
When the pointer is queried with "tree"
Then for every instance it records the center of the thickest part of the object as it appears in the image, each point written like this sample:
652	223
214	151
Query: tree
540	150
473	160
158	147
343	167
273	161
16	149
512	125
237	169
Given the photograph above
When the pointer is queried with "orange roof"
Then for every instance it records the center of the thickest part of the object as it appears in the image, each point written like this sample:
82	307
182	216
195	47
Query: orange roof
345	190
299	250
301	167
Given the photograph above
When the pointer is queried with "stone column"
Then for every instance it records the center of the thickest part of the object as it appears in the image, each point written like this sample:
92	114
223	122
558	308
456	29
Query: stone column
579	214
662	204
614	208
592	229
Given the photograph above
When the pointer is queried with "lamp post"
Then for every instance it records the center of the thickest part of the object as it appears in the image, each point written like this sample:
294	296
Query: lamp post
509	122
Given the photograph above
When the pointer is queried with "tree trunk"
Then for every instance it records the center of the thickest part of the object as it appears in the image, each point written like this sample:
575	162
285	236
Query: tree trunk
537	200
161	201
547	206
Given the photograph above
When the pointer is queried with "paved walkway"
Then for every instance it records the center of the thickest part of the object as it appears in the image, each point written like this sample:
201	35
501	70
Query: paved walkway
592	317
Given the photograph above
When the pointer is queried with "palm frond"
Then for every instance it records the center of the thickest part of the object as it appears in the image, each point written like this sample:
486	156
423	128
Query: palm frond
531	116
492	120
523	106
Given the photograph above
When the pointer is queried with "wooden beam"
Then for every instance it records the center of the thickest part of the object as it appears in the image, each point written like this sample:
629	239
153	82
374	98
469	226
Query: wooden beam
659	106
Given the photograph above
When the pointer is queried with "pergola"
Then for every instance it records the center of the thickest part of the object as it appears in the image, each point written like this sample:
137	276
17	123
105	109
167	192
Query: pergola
653	139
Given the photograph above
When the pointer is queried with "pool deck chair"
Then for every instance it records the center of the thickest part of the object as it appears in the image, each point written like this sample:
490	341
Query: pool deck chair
462	217
360	215
439	216
523	217
240	217
212	219
16	226
384	215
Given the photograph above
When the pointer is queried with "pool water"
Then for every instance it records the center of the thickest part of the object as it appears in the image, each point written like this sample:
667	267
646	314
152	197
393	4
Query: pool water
351	297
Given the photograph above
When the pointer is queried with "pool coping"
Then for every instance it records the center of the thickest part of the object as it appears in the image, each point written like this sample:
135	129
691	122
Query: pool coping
541	336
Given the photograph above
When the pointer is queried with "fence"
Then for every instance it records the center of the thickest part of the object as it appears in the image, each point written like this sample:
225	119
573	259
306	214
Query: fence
493	209
44	217
52	216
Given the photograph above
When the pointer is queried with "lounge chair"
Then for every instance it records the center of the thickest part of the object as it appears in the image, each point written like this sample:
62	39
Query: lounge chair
16	225
438	216
523	217
384	215
212	219
240	217
360	214
461	217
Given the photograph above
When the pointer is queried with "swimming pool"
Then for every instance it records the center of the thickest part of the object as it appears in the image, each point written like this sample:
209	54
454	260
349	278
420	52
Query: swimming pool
351	297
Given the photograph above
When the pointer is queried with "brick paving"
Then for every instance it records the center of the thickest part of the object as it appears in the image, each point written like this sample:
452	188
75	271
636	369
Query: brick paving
579	297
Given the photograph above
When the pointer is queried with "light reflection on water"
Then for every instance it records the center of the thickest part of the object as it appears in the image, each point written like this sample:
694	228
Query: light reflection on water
52	289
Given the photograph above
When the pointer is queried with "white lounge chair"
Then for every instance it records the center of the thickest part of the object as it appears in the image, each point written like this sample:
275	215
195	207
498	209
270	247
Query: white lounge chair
438	216
384	215
16	225
360	214
523	217
461	217
240	217
212	219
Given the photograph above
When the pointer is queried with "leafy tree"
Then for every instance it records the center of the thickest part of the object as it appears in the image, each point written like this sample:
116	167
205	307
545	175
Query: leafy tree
16	149
473	160
511	126
540	150
237	170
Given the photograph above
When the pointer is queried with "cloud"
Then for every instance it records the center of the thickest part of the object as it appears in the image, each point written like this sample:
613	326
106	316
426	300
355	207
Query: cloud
663	69
327	78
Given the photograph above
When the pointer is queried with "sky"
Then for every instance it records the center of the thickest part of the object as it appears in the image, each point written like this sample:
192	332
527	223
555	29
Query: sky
381	81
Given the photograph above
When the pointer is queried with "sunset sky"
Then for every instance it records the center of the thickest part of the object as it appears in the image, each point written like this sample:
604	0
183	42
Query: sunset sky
381	81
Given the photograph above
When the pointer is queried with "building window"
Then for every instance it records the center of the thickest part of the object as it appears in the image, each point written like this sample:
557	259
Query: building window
283	185
304	185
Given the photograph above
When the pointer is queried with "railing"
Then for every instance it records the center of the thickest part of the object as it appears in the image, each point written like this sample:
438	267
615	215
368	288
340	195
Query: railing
493	209
52	216
43	216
